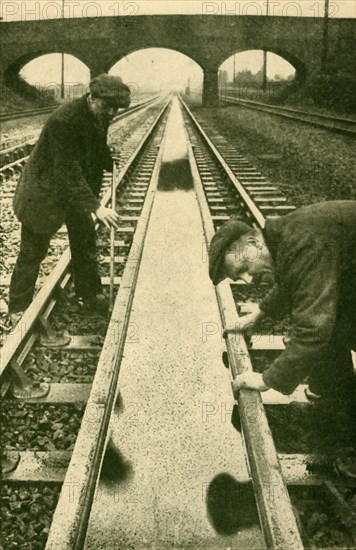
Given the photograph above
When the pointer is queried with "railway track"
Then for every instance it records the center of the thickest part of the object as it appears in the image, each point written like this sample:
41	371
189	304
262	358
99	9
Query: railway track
130	132
14	115
249	195
19	139
338	125
134	200
28	113
15	152
225	184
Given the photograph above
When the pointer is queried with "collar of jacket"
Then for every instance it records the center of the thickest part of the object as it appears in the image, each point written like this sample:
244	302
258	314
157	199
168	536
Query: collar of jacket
86	106
272	236
98	125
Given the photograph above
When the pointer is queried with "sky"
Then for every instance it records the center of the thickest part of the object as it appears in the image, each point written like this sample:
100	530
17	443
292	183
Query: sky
154	65
15	10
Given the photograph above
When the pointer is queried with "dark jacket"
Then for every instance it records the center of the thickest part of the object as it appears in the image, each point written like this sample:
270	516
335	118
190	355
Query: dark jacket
64	169
314	257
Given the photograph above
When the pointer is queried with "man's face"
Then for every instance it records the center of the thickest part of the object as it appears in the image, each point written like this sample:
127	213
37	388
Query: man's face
249	259
103	109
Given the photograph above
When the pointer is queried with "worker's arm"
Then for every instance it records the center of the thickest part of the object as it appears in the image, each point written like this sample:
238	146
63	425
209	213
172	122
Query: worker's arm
275	303
69	180
70	183
313	287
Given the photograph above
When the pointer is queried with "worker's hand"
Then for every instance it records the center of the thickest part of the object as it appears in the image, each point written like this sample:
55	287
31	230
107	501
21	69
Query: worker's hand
107	216
245	324
249	381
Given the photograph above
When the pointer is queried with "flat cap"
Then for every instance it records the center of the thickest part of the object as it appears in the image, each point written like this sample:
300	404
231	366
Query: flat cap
226	234
110	87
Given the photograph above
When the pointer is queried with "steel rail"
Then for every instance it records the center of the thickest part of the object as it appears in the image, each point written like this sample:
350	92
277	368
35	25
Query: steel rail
112	238
301	462
133	108
33	112
32	141
29	138
12	165
322	116
252	208
287	113
15	141
275	510
22	114
23	329
71	518
14	148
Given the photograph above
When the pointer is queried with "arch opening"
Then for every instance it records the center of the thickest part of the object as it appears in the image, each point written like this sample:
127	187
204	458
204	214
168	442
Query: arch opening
159	70
259	74
44	73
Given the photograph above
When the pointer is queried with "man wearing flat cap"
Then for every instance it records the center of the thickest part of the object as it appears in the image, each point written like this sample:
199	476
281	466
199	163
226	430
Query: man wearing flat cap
311	254
60	184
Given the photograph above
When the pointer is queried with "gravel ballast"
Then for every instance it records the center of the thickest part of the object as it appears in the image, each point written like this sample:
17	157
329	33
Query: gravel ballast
40	427
307	164
26	515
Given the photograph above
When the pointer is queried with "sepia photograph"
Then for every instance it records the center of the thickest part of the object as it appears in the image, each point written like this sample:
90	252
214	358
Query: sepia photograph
178	275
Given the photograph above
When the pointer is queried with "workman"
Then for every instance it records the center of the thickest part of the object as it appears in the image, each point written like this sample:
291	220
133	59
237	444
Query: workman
311	255
60	184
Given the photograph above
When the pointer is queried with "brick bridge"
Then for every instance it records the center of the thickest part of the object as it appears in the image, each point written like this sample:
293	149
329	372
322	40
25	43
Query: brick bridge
207	39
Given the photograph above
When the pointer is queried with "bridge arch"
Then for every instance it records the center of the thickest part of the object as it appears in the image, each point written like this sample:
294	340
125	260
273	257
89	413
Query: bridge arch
156	69
12	71
119	57
301	70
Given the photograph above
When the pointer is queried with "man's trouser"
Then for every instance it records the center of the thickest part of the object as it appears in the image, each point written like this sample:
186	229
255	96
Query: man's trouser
334	375
335	415
33	250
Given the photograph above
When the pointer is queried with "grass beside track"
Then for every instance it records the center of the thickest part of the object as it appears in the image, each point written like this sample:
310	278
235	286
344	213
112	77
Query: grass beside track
308	164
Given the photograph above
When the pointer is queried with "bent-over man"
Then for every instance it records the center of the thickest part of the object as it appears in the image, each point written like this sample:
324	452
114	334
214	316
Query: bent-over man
60	184
312	256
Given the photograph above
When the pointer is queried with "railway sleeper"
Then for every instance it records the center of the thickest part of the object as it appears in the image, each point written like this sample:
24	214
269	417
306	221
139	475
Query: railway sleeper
102	243
59	393
270	199
282	209
217	200
265	190
257	184
299	470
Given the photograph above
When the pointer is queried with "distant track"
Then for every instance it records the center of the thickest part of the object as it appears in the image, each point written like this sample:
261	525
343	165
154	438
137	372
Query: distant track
14	156
21	114
334	124
33	112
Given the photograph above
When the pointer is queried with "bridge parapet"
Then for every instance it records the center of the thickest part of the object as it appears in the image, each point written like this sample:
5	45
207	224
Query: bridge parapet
207	39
